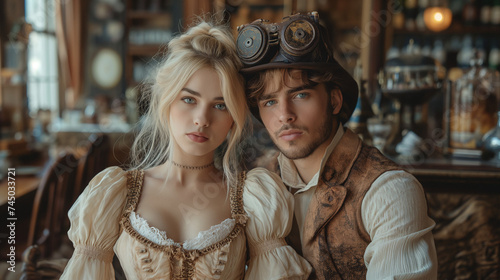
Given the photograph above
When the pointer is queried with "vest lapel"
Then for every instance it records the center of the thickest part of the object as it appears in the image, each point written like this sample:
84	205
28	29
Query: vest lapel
330	193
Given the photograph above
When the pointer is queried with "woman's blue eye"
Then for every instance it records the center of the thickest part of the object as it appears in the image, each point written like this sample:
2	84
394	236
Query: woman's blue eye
220	106
188	100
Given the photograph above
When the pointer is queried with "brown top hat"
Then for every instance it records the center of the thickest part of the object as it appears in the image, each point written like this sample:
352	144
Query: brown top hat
298	42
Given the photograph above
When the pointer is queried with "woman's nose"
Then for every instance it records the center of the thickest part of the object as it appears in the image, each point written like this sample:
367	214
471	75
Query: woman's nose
201	118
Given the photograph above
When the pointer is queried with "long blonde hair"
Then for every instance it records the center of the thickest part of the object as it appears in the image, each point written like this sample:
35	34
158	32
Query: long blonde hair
206	44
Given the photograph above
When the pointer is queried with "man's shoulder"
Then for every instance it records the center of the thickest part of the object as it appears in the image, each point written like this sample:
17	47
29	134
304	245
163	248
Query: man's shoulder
375	159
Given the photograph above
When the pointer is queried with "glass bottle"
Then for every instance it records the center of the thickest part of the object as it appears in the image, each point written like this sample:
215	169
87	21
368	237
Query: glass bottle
470	13
495	13
494	57
466	53
485	12
473	106
411	11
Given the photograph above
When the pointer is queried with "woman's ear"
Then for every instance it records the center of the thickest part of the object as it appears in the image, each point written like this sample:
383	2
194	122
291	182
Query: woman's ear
336	100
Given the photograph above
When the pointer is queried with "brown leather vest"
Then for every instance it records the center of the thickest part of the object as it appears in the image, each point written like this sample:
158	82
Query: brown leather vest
334	238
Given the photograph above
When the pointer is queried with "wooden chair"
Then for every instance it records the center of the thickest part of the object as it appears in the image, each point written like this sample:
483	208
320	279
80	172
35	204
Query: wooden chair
93	162
34	268
46	226
72	177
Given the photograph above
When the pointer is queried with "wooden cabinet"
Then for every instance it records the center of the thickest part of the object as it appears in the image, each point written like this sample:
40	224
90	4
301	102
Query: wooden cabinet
150	25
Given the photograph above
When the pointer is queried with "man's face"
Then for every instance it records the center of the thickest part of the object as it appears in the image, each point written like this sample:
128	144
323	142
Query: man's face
298	118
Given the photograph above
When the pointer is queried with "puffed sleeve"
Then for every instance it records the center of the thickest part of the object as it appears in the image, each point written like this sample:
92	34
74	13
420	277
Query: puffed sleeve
269	207
95	227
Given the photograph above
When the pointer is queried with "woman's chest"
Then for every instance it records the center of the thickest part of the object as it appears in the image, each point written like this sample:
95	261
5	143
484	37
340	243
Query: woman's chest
183	215
142	259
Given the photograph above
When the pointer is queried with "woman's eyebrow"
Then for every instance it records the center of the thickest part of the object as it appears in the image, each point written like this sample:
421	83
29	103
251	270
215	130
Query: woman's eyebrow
194	92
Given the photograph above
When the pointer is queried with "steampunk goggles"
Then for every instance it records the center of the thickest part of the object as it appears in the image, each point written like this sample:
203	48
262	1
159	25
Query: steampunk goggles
298	42
298	38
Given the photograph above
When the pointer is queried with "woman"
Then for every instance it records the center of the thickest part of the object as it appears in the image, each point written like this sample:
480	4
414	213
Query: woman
175	215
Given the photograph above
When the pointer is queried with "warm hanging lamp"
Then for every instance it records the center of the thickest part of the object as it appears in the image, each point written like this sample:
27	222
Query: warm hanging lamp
437	17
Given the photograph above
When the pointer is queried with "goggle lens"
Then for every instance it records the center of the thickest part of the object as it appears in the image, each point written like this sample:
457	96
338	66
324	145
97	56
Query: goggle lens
251	41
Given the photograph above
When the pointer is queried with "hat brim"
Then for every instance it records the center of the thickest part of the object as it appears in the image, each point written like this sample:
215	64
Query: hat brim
297	65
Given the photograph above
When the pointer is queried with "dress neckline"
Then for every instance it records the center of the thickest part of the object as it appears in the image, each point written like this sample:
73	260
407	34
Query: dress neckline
135	180
204	238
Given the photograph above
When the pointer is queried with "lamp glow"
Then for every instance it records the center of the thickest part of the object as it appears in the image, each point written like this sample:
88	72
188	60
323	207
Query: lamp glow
437	18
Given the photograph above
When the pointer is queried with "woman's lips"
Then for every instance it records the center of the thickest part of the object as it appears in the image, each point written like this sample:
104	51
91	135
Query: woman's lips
197	137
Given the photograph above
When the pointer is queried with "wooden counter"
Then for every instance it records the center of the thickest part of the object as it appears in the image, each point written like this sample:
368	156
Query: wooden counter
457	176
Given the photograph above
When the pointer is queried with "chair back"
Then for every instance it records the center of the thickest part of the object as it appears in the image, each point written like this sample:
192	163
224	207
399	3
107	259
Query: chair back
49	214
93	162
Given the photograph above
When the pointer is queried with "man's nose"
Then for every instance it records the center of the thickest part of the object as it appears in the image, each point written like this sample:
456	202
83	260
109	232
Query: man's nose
286	113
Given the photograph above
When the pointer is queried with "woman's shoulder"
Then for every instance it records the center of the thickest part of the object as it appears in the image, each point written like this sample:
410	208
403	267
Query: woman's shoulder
261	183
112	178
109	187
110	173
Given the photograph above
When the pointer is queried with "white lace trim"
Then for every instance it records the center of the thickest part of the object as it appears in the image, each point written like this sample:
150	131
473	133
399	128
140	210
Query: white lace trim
204	239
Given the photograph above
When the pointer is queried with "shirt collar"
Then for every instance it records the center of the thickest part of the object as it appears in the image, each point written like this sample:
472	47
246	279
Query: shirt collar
289	173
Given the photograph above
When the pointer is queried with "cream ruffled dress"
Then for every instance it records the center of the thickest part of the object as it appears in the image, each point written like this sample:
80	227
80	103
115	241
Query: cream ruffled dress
104	222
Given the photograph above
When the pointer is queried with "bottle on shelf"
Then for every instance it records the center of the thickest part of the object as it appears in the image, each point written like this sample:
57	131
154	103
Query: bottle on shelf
411	11
438	52
485	12
479	48
469	12
422	5
426	48
466	53
495	13
452	45
494	57
456	10
412	47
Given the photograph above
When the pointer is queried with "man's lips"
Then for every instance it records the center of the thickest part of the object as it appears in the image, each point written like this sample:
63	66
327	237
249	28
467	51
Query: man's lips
198	137
290	134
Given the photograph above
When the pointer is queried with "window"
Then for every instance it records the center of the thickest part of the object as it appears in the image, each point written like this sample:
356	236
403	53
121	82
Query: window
42	77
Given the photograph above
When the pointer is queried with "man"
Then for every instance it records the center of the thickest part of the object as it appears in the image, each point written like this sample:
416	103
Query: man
357	214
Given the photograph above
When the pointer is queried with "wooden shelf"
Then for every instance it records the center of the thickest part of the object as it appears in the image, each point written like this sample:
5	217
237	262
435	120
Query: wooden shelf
144	50
457	176
453	30
147	15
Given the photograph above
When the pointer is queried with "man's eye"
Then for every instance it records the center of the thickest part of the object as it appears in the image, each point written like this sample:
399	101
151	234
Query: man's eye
302	95
269	103
188	100
220	106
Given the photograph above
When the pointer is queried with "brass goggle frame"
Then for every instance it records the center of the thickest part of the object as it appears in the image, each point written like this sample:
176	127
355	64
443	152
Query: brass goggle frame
295	39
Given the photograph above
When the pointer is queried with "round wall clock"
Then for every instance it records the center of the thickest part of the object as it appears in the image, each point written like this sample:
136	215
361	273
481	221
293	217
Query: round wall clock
106	68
